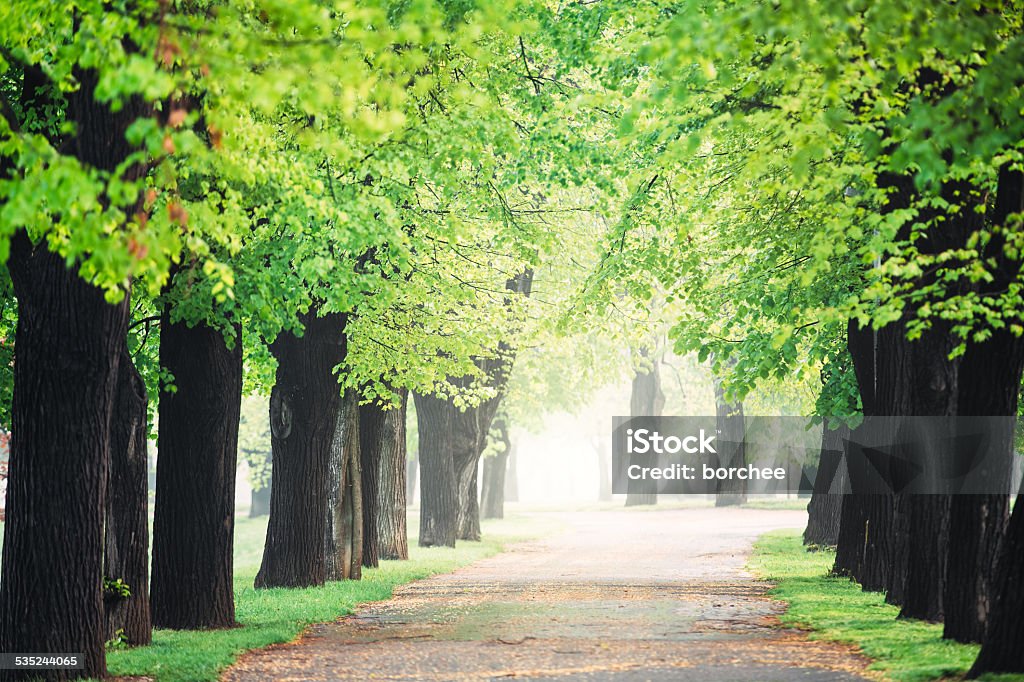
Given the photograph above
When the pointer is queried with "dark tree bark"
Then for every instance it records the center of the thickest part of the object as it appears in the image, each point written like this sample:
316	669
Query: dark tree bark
977	524
924	533
732	448
451	441
899	554
439	501
197	445
877	538
69	342
823	510
371	433
126	546
864	547
260	501
886	365
343	529
303	417
492	498
934	391
926	558
989	381
1001	649
646	399
392	533
850	540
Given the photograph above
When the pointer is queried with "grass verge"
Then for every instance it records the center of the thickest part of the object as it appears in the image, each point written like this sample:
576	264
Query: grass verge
280	615
837	609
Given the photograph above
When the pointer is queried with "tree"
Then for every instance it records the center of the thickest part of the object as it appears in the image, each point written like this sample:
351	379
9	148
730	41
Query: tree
495	468
345	531
50	593
304	408
126	522
194	519
835	121
823	511
139	139
452	437
646	400
390	526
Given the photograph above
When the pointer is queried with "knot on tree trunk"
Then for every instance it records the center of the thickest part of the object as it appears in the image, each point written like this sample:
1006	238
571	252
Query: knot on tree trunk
280	415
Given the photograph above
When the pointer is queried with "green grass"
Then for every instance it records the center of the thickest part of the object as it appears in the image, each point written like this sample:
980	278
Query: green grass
837	609
280	615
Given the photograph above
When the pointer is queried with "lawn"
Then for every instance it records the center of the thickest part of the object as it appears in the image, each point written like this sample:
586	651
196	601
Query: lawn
280	615
837	609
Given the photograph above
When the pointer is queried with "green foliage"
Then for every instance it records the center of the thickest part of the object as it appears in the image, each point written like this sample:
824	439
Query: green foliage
758	133
720	172
116	588
8	322
391	162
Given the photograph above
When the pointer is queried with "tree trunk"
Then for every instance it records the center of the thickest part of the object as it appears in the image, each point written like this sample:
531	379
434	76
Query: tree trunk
977	524
877	538
392	533
439	501
493	497
466	435
646	399
732	448
932	392
451	441
69	342
469	493
197	445
303	417
864	547
850	540
1001	649
126	546
926	557
887	366
823	511
260	501
343	530
896	581
989	382
371	434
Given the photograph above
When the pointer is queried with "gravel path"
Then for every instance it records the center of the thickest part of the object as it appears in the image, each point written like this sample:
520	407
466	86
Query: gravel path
619	596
